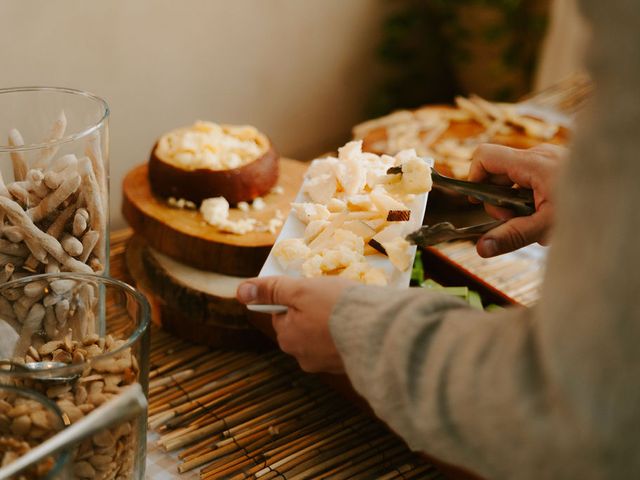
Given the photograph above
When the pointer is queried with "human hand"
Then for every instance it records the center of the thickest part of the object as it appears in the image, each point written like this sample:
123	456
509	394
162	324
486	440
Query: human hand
536	168
303	331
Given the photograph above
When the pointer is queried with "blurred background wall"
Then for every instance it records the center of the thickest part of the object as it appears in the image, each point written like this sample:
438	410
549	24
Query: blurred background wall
298	70
302	71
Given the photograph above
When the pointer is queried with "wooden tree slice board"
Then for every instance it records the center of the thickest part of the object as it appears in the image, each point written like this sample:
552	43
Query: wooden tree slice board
192	304
461	130
185	236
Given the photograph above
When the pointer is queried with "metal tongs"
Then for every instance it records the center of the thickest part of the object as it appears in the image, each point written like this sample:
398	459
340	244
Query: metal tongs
519	200
445	232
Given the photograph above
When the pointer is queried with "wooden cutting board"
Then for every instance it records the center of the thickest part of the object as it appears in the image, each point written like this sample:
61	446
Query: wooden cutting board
185	236
462	130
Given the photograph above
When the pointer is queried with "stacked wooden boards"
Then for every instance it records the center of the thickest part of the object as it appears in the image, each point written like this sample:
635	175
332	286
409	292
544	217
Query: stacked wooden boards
192	269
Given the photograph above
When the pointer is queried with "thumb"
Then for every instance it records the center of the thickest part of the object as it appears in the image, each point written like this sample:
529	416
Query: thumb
514	234
267	290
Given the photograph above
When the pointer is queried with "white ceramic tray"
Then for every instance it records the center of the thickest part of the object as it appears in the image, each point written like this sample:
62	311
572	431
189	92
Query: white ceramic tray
294	228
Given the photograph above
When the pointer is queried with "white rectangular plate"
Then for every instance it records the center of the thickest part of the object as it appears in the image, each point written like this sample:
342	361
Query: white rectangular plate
294	228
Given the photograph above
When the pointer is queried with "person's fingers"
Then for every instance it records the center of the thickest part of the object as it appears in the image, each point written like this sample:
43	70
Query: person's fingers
483	157
268	290
514	234
494	162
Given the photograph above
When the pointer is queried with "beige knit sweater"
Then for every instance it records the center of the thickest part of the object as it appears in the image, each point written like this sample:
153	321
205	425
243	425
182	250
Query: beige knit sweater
551	392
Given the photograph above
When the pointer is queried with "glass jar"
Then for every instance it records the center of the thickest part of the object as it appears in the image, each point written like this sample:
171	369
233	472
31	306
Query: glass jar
27	419
54	179
96	330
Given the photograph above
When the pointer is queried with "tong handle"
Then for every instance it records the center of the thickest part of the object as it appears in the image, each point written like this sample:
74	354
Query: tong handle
520	200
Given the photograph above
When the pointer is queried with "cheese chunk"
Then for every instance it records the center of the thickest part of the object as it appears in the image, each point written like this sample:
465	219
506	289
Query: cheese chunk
291	252
321	188
215	210
313	229
416	176
365	273
399	253
308	212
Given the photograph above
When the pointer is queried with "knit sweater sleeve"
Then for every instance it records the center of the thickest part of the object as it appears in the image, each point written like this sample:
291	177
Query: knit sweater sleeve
548	392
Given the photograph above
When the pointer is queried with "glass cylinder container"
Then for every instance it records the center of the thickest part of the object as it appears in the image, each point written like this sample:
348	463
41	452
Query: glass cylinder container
54	179
80	339
26	420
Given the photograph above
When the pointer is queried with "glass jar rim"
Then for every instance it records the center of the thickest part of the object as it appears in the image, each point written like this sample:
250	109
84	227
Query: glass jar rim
63	456
133	337
67	138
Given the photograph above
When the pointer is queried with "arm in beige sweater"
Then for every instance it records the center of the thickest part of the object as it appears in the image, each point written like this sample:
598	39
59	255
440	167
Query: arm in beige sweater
550	392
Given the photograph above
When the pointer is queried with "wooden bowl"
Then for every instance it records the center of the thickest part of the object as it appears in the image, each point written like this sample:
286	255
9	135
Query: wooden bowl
241	184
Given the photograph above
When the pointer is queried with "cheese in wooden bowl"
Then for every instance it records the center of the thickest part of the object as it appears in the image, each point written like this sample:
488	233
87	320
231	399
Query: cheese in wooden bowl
207	160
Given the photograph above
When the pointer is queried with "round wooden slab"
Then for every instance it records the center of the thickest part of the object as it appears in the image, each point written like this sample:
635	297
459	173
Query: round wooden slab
461	130
185	236
192	304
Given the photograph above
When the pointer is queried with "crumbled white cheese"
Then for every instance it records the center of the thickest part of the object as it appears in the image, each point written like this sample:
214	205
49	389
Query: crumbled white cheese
277	190
212	146
313	229
215	212
181	203
290	251
336	205
258	204
321	188
243	206
364	273
274	224
307	212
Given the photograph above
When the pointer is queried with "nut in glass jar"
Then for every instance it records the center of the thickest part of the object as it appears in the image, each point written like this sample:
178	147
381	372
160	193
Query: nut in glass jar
95	331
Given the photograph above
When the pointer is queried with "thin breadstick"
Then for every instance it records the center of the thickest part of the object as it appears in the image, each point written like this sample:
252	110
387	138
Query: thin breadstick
71	245
53	179
94	153
19	191
6	273
79	223
32	323
89	242
19	217
36	184
52	266
57	131
54	199
13	234
59	164
3	187
19	164
57	227
39	253
95	207
15	249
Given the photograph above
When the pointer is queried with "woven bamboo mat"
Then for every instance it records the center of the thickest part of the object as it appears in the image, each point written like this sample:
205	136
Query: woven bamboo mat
222	414
518	275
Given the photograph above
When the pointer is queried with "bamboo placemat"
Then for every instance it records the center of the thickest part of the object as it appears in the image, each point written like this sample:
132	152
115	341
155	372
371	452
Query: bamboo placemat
226	414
